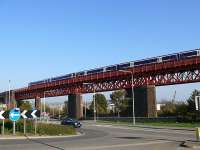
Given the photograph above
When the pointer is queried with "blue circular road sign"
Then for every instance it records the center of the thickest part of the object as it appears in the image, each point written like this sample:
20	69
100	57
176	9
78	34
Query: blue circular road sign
14	114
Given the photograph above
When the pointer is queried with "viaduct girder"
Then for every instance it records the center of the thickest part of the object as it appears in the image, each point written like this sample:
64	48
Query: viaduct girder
160	74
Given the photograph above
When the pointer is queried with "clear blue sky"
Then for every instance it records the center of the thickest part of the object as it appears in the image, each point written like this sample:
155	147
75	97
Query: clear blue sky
44	38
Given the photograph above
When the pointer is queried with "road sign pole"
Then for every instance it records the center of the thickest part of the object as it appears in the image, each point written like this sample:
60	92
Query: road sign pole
35	126
3	127
2	118
13	127
24	126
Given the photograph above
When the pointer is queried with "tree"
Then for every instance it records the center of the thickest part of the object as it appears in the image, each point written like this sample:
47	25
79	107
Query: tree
185	111
191	105
65	108
118	99
181	109
24	105
168	109
100	104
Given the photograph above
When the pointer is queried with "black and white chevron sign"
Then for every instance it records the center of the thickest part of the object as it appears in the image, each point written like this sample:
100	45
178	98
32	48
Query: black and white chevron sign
4	115
24	114
30	114
1	115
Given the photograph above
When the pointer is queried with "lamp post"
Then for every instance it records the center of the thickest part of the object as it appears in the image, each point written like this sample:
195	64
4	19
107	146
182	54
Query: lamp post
9	95
59	110
133	99
44	103
85	109
94	103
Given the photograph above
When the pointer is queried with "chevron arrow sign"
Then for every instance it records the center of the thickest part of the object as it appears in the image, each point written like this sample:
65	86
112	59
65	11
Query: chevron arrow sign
23	114
1	115
32	114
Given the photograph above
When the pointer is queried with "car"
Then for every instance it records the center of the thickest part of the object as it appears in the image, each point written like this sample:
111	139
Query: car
72	122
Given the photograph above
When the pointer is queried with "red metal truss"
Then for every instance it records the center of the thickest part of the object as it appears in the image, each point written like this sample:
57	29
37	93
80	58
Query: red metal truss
177	72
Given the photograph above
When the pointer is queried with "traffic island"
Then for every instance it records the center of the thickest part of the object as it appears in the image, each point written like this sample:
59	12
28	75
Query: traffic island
39	129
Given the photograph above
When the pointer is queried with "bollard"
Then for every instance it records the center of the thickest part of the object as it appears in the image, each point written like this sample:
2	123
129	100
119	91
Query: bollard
198	134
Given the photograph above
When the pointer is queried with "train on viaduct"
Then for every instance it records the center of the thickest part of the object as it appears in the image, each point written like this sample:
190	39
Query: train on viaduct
142	75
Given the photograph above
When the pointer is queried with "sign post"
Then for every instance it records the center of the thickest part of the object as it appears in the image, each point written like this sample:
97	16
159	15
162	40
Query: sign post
197	105
14	116
198	134
197	102
2	118
14	128
23	114
35	126
33	114
3	128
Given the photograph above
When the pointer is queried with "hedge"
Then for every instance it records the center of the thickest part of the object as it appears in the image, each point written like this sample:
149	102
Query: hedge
42	128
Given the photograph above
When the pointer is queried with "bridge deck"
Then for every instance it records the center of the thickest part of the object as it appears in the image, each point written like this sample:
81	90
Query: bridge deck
176	72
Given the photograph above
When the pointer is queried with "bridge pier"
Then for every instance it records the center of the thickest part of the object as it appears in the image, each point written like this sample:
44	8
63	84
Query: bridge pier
145	101
38	103
75	106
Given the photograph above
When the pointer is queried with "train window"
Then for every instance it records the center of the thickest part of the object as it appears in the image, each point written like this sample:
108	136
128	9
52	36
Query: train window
144	62
111	68
95	71
123	66
169	58
189	54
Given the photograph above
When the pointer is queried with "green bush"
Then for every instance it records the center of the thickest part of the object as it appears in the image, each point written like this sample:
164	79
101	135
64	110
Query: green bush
42	128
52	129
8	124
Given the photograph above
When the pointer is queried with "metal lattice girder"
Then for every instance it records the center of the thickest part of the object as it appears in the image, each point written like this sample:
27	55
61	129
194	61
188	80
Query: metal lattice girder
187	71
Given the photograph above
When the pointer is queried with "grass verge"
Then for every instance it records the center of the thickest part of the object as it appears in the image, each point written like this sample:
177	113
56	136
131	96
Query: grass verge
42	129
156	124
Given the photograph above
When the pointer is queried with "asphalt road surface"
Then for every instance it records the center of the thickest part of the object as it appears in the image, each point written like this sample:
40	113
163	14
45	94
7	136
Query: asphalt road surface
106	137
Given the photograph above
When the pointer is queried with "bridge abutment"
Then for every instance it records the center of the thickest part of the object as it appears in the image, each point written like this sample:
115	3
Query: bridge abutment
145	101
75	106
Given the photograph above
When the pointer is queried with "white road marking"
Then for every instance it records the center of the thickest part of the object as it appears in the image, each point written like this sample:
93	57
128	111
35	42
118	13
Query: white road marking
123	145
148	130
196	147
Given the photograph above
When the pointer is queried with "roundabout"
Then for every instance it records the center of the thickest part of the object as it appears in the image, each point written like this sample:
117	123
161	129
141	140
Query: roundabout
106	138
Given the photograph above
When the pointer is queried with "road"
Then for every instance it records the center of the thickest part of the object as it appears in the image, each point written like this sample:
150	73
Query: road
106	137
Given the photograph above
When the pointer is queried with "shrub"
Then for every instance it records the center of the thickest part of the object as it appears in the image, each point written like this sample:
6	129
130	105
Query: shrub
42	128
52	129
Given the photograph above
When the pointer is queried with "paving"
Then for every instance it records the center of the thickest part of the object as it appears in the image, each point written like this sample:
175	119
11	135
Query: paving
108	137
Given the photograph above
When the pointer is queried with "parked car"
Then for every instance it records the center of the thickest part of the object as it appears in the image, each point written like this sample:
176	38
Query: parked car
72	122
